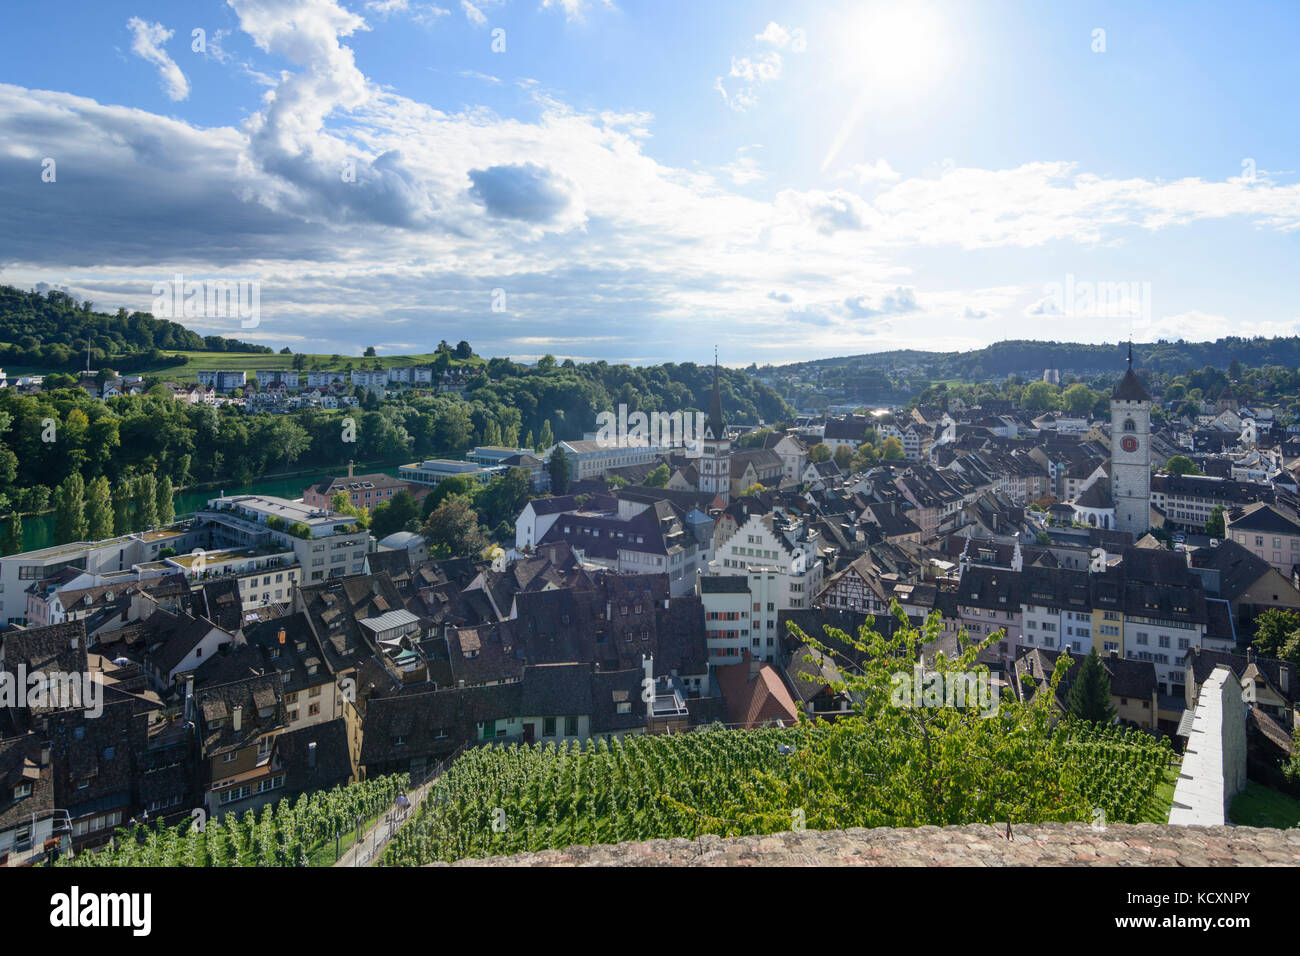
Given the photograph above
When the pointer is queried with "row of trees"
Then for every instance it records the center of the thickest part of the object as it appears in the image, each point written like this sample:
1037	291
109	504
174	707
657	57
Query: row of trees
98	510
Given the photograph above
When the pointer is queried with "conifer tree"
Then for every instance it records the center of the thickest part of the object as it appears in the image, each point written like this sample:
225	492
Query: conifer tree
1089	695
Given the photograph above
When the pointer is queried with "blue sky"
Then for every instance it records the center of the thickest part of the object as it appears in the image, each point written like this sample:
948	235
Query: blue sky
644	180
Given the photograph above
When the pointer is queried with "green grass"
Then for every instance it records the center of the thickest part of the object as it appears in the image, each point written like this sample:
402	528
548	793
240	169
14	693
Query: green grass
251	362
1163	801
323	853
1259	806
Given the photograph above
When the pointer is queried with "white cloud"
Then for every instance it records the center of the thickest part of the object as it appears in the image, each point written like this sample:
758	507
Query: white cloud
598	233
147	43
867	173
419	12
782	38
744	169
775	34
574	9
750	74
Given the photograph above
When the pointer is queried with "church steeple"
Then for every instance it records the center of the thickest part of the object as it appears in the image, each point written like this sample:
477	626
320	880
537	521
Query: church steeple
715	451
714	427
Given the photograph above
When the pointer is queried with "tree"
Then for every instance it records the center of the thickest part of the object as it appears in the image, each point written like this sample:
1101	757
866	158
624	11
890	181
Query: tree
819	453
1078	399
658	476
913	763
843	457
548	436
1181	465
452	530
341	503
1215	526
865	456
1040	396
1272	630
145	499
501	500
451	485
166	501
122	501
891	449
69	510
755	489
99	510
1089	695
463	351
12	540
559	469
394	514
369	352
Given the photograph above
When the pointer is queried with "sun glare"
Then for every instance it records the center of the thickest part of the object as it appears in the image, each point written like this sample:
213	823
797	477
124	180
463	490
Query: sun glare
891	53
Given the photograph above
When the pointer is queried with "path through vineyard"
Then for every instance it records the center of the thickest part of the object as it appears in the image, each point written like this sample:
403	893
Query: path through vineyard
373	841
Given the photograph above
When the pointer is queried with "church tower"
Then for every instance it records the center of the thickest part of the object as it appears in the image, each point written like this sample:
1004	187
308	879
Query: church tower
1130	453
715	450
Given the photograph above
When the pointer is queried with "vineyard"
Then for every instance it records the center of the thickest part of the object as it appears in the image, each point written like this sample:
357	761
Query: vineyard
1117	769
282	834
500	800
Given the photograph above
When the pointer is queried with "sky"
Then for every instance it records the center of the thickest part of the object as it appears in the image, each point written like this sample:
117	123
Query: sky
643	181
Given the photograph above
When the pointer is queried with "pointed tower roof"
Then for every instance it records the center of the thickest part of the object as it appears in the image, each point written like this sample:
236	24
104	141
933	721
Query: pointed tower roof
1130	387
714	427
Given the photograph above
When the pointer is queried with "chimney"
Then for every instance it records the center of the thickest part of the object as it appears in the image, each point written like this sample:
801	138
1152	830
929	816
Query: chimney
237	719
350	466
1284	678
311	755
755	665
280	636
1250	655
1114	654
45	754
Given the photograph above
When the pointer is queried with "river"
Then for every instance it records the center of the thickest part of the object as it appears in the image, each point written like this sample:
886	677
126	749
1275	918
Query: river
38	530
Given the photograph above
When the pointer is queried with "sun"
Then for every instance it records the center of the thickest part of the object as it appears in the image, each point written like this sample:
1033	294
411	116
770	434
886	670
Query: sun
890	53
894	47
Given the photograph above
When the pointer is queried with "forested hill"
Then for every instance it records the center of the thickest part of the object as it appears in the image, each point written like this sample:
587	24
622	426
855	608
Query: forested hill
1008	358
50	331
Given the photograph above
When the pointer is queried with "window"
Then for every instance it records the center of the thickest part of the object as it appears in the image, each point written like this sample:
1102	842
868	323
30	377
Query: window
548	726
570	726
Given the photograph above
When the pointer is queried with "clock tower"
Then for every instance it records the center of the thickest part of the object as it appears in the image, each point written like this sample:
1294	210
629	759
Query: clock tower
1130	453
715	457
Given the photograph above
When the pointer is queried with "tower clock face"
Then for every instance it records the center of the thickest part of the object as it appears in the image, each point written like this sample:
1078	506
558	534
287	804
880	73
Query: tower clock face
1129	444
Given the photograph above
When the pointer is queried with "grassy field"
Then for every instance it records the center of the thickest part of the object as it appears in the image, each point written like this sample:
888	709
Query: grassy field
252	362
1158	812
1258	806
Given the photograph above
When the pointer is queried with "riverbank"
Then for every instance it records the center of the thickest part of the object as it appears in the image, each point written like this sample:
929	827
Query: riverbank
38	529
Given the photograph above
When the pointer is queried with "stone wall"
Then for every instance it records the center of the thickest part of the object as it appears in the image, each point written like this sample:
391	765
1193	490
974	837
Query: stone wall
1214	763
1051	844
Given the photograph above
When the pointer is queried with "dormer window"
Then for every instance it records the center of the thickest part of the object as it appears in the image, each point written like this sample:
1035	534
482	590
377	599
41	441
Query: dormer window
22	790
